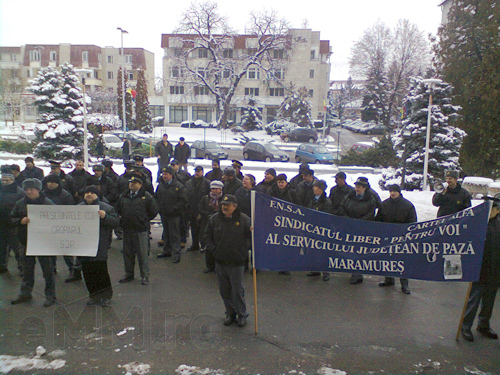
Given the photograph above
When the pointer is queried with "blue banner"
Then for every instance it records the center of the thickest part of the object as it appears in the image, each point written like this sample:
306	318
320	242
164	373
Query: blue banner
289	237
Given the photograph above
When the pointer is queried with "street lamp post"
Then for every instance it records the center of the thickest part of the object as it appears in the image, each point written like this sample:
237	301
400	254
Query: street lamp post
406	134
339	129
430	83
124	116
82	73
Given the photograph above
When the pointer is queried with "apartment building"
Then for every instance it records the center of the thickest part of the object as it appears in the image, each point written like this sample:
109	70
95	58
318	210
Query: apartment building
20	64
305	63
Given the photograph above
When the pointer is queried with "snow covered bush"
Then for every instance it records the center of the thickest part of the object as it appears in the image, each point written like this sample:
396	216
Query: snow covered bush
251	119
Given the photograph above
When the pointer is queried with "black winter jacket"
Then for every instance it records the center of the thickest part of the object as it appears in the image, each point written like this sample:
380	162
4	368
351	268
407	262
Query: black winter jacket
182	153
171	198
228	238
287	194
323	204
214	174
195	189
9	195
59	196
34	172
305	191
337	195
399	211
244	197
363	209
136	212
452	201
490	269
230	186
66	181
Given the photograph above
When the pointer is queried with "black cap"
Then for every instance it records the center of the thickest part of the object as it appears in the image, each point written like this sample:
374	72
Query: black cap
321	184
137	178
307	171
107	163
237	163
98	167
53	178
181	139
55	163
128	163
394	187
363	181
229	198
452	173
198	168
271	171
168	169
138	157
341	175
92	189
281	177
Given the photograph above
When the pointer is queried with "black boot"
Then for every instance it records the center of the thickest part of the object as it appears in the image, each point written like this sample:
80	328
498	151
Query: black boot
75	276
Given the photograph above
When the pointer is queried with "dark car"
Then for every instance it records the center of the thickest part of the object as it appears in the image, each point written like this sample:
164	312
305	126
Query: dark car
207	150
264	151
300	135
373	129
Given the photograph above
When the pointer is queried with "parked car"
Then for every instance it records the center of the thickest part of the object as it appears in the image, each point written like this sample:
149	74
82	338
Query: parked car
207	150
111	141
300	135
196	124
371	128
279	126
360	147
318	154
264	151
134	138
26	137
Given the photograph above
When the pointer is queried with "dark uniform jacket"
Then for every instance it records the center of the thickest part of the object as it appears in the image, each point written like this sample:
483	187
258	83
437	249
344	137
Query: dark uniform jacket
227	238
66	181
109	189
287	194
214	174
34	172
9	195
399	211
136	212
106	226
195	189
452	201
171	198
297	179
363	209
59	196
337	195
113	175
490	269
182	153
265	186
244	197
323	204
164	151
20	211
305	191
80	180
182	176
230	186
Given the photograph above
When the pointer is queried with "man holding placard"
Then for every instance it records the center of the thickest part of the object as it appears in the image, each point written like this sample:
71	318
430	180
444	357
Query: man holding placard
19	217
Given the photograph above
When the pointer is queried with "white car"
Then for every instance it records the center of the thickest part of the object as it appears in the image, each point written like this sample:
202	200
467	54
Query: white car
112	141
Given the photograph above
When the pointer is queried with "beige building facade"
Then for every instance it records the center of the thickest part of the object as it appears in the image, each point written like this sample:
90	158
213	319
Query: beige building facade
305	63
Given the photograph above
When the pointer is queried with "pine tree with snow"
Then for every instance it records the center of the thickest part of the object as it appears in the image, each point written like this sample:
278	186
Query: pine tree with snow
128	101
59	102
296	107
445	139
142	111
251	118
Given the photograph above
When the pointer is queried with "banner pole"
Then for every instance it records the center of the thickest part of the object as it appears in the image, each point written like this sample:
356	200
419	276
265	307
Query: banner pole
463	312
254	271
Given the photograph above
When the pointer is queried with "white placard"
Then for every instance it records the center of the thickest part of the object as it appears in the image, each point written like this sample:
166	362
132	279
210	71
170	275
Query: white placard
63	230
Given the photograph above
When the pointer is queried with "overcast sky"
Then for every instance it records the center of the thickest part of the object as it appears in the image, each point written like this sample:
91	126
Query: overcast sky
95	21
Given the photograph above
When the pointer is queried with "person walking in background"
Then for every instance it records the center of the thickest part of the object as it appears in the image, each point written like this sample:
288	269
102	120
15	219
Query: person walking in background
216	173
163	152
339	191
126	149
31	171
195	189
182	153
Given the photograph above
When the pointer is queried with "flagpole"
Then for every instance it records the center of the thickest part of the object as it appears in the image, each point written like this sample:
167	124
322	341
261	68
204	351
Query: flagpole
254	271
463	312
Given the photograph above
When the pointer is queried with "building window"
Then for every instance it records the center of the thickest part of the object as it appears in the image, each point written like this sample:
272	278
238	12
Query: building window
252	91
226	73
178	114
311	73
14	73
85	56
253	73
201	72
202	113
201	90
272	113
227	53
175	72
131	76
252	51
99	58
176	90
157	110
177	52
110	75
313	54
311	93
279	53
202	53
96	74
35	55
110	59
278	91
279	73
53	55
28	74
13	57
128	59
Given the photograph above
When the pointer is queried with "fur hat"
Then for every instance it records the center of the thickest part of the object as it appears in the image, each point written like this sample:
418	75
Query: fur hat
32	183
92	189
321	184
271	171
98	167
53	178
229	171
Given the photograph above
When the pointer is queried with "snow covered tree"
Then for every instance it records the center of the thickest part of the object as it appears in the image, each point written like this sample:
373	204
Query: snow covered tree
204	32
142	111
251	117
296	107
469	58
445	139
103	101
59	101
386	60
128	101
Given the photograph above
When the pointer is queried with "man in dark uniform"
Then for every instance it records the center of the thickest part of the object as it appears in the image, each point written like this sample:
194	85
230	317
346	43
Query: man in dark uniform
171	202
139	162
126	149
180	174
454	198
305	187
231	183
182	153
31	171
66	181
339	191
196	188
109	171
209	205
95	269
18	176
79	176
107	188
299	177
283	190
19	217
359	204
399	210
123	180
244	194
216	172
10	193
237	167
164	152
268	182
483	292
227	236
137	208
